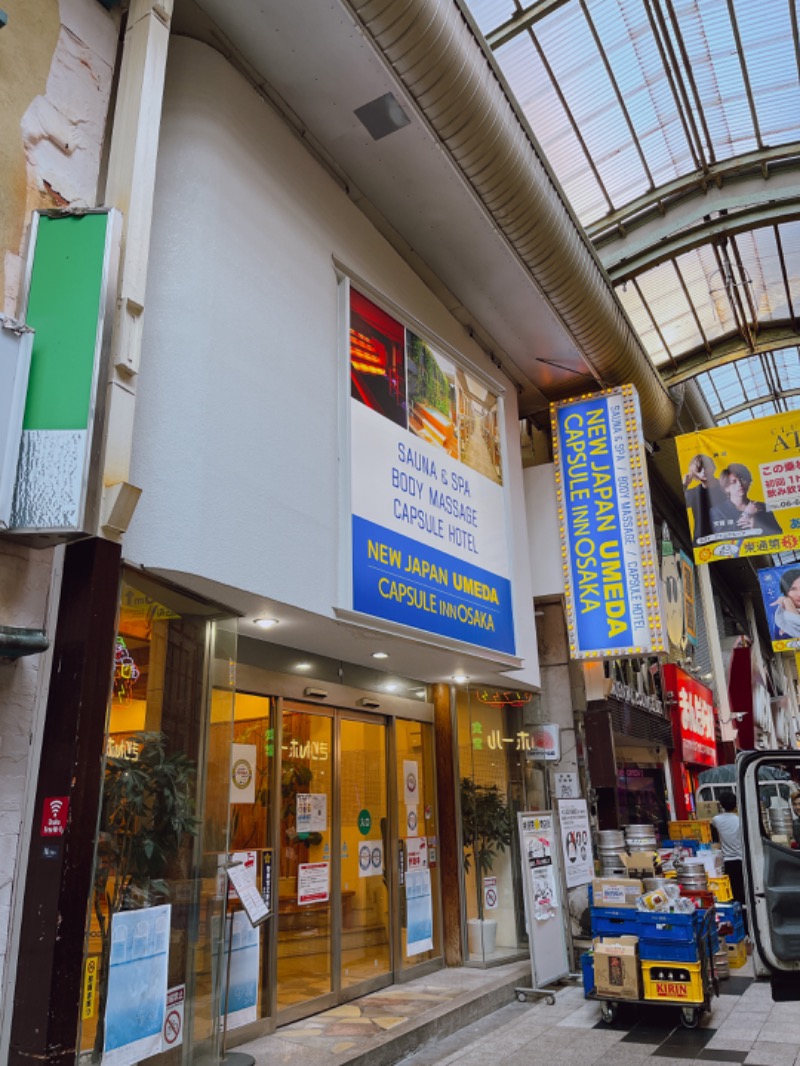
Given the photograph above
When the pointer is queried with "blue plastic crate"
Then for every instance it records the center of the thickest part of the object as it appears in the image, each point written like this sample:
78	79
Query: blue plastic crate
675	928
668	951
587	969
614	921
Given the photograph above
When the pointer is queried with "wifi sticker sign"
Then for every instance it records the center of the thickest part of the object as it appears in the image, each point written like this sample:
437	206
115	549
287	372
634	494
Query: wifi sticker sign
54	816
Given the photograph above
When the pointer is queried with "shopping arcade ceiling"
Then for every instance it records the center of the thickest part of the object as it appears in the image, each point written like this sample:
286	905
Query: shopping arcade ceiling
674	132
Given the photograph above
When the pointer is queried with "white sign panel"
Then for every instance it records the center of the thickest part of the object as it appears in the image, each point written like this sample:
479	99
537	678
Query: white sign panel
246	889
243	773
490	898
370	858
172	1033
241	995
567	785
430	546
576	842
411	782
544	908
417	853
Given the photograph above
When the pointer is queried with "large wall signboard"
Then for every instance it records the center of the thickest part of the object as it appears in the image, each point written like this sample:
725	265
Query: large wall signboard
692	717
742	487
428	512
607	540
780	588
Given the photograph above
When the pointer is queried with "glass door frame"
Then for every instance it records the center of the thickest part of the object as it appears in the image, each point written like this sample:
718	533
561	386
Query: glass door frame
340	702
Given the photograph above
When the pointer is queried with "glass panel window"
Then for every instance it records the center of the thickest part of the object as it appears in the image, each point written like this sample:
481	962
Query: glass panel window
155	914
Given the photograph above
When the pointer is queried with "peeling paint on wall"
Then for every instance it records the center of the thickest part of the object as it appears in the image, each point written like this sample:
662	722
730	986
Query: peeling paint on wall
54	126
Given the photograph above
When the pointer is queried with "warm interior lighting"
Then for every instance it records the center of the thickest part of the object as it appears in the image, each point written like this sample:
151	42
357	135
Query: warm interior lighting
380	655
265	623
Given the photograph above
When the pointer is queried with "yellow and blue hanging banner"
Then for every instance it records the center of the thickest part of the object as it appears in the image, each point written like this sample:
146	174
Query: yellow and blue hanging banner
607	538
742	487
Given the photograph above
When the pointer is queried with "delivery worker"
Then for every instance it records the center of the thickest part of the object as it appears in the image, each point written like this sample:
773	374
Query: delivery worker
727	829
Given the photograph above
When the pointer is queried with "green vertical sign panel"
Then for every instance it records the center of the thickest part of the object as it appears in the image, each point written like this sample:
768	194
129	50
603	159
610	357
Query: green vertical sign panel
65	292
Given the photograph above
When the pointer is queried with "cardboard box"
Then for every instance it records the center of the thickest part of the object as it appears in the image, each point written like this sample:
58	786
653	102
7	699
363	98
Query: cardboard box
616	967
640	864
616	891
706	809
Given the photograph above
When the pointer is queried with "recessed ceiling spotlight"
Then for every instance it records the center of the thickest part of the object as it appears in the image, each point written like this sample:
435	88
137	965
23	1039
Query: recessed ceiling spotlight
265	623
302	666
391	687
380	655
459	679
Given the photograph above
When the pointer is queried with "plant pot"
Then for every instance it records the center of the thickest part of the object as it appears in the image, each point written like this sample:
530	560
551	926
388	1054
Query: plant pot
481	936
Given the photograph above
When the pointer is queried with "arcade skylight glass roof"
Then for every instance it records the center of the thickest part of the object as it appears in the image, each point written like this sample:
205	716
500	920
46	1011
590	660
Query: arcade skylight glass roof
673	127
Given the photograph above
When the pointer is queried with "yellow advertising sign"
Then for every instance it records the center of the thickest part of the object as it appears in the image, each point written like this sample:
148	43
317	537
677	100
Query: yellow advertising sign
742	487
91	973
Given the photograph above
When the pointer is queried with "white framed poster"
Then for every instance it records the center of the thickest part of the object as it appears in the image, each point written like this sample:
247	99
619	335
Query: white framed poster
312	812
567	784
137	985
411	782
576	842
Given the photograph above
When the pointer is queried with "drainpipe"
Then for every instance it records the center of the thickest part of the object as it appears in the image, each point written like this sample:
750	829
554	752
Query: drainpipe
434	51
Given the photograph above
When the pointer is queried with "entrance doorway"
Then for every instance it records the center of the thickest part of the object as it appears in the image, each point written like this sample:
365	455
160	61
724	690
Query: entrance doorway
334	932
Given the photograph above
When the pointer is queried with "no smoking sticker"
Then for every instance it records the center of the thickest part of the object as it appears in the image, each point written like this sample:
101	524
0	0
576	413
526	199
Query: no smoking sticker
172	1033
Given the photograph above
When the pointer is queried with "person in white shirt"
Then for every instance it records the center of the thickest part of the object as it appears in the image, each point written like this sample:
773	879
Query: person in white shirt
727	829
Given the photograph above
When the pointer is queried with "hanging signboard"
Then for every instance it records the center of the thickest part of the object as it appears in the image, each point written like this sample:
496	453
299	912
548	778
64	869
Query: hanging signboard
742	487
607	539
780	590
692	717
69	302
429	537
576	842
689	599
544	906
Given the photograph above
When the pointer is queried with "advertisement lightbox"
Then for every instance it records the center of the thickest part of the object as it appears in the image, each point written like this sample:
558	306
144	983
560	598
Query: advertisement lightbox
692	707
607	540
780	590
429	538
742	487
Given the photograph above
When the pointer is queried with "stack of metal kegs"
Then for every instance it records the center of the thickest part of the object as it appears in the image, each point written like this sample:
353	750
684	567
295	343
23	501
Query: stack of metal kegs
610	843
780	822
692	874
640	838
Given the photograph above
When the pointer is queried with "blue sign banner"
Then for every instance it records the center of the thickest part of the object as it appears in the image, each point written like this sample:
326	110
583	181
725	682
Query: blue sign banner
606	527
406	581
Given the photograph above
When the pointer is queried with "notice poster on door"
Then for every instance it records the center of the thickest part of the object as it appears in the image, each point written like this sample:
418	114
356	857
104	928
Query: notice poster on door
241	996
419	912
411	782
243	773
247	860
312	812
573	817
313	883
370	858
537	843
417	853
137	985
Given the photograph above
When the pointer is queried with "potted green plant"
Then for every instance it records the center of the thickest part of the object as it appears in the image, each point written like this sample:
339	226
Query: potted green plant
147	814
486	827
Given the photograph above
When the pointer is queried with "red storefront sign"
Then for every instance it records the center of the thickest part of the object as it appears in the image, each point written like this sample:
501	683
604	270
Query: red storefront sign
692	717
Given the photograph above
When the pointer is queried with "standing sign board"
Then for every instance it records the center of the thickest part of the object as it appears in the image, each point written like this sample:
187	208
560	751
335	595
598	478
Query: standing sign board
545	908
607	538
428	502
